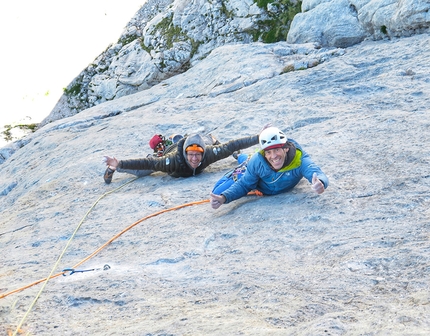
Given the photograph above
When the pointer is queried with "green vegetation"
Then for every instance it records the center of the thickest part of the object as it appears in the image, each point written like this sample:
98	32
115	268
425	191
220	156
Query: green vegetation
276	27
263	3
172	34
225	11
144	47
74	90
288	68
194	47
384	30
7	133
127	40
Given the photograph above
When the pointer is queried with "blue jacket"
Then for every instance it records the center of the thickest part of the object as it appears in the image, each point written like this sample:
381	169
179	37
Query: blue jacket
261	176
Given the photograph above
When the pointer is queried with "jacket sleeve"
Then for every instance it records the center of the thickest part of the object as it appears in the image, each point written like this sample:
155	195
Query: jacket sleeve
246	183
308	168
165	164
222	151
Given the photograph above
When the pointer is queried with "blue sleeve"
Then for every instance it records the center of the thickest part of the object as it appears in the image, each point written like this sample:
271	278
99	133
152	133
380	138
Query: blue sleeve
245	184
308	168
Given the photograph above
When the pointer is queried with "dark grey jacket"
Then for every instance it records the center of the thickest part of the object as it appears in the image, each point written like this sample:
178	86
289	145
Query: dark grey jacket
175	162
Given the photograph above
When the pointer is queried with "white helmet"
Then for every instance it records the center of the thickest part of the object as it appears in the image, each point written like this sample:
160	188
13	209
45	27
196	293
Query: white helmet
272	137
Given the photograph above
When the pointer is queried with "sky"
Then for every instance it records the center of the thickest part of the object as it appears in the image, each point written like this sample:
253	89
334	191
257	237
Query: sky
45	44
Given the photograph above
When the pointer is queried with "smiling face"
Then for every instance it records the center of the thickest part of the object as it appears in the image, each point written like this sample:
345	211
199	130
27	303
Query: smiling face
276	157
194	158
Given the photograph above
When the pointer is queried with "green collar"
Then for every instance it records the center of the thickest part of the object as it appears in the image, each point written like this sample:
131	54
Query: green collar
297	161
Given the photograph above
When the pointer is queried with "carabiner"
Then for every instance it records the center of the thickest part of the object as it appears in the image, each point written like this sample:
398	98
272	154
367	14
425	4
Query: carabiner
70	271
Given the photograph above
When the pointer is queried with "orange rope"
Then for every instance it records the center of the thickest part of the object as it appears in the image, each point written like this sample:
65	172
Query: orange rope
134	224
256	192
105	244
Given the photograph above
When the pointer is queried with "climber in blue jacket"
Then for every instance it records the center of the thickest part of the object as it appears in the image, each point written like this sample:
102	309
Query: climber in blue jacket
276	168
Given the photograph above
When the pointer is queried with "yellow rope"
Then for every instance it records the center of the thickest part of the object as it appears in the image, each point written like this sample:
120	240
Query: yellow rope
61	255
50	276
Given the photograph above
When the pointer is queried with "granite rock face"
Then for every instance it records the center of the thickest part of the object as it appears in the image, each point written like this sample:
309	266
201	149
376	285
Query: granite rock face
168	37
163	39
343	23
352	261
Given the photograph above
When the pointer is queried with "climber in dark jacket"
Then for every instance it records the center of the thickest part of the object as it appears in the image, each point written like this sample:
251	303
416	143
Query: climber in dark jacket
190	157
